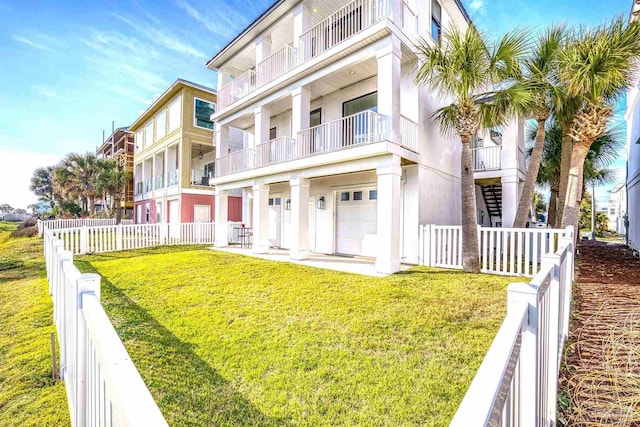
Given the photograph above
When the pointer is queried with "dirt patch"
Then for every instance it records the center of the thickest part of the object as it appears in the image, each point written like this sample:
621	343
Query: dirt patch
600	377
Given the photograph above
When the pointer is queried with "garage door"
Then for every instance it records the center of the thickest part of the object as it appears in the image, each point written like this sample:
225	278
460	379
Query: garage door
355	219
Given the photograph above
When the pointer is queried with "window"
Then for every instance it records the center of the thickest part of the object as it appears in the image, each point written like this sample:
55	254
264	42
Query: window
203	112
272	133
158	212
357	195
210	169
148	134
315	117
436	21
373	194
362	103
275	201
174	114
139	140
161	125
344	196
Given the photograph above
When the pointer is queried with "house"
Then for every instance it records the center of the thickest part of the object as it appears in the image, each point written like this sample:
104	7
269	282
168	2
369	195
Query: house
617	209
338	153
632	117
175	159
120	146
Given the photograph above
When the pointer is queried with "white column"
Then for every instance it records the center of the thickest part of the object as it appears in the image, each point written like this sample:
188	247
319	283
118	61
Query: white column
260	219
299	219
510	199
263	48
222	141
300	109
246	208
388	209
222	77
262	120
389	65
301	22
222	218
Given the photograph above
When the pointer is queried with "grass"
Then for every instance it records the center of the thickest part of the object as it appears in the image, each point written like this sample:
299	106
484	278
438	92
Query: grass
227	340
28	395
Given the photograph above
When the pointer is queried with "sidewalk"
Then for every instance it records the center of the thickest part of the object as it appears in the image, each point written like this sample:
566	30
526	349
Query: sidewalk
600	379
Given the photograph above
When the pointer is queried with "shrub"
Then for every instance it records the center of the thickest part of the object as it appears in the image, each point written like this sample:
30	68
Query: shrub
28	223
25	232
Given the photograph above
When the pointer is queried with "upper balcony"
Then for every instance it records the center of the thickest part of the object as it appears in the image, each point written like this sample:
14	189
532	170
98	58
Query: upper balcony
358	130
291	52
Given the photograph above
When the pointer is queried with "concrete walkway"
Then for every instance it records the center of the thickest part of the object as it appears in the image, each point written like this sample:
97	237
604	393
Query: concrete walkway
600	378
355	265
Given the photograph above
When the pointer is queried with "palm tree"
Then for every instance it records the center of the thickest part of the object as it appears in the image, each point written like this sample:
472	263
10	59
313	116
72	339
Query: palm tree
539	71
76	179
476	75
42	184
596	68
112	182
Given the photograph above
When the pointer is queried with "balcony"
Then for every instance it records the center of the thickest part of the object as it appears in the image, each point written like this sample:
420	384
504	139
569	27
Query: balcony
159	182
359	129
200	177
148	185
173	178
341	25
487	158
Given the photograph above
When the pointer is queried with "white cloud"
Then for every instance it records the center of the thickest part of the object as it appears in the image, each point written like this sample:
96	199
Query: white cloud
49	93
16	168
30	42
477	5
212	23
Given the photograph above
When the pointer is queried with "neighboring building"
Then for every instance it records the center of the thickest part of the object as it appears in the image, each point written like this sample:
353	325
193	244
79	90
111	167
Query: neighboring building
617	209
174	160
632	117
120	146
338	153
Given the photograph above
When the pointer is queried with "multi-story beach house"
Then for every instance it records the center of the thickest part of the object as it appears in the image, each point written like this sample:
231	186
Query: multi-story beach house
338	152
632	117
175	159
120	146
617	209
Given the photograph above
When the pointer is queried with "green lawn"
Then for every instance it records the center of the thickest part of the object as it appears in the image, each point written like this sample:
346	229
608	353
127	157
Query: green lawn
223	339
28	395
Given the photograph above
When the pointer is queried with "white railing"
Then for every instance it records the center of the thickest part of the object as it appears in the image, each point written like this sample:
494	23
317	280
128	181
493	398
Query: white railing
104	388
148	186
408	133
173	178
200	177
486	158
516	384
159	181
277	150
357	129
54	224
236	161
339	26
506	251
237	88
278	63
409	21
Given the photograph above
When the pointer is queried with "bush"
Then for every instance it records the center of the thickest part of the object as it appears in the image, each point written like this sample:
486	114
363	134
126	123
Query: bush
25	232
28	223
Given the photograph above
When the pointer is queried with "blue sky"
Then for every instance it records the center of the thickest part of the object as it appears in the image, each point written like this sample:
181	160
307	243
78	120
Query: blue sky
68	68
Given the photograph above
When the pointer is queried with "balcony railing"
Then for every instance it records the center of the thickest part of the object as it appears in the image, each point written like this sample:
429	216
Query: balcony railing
148	185
409	21
408	133
357	129
486	158
173	178
237	161
159	181
200	177
277	150
353	18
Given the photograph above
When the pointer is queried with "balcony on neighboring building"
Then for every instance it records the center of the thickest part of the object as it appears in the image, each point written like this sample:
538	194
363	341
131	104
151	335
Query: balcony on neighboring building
486	158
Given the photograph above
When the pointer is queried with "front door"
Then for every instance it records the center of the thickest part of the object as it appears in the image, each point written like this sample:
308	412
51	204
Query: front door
201	213
275	220
174	218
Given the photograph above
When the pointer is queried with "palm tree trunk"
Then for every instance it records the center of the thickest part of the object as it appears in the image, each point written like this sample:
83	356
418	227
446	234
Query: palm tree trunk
470	251
553	200
524	207
116	202
92	205
565	166
575	188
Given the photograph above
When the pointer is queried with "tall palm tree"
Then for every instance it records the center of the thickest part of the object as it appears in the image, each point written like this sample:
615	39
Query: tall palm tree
76	179
596	68
42	184
112	182
477	76
539	71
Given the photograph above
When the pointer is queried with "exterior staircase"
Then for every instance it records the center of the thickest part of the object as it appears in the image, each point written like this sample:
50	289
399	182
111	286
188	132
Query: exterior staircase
492	195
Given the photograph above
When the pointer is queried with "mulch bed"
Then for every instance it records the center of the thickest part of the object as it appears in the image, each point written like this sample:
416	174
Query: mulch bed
600	377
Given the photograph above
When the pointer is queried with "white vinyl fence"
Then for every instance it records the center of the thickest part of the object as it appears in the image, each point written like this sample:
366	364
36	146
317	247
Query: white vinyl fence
516	384
136	236
103	386
507	251
55	224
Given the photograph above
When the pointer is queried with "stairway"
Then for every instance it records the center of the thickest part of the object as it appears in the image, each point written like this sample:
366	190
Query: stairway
492	195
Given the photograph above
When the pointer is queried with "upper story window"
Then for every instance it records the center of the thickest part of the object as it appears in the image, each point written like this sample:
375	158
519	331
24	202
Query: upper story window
273	132
148	134
436	21
161	125
139	140
203	111
175	110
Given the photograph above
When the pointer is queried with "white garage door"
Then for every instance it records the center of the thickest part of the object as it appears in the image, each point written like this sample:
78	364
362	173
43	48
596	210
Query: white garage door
355	219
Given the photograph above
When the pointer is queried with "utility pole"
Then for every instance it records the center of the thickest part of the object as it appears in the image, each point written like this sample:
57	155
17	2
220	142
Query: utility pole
593	210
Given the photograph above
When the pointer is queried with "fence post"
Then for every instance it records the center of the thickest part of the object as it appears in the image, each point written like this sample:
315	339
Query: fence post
567	281
163	233
518	293
119	237
84	240
86	283
554	331
432	245
39	227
